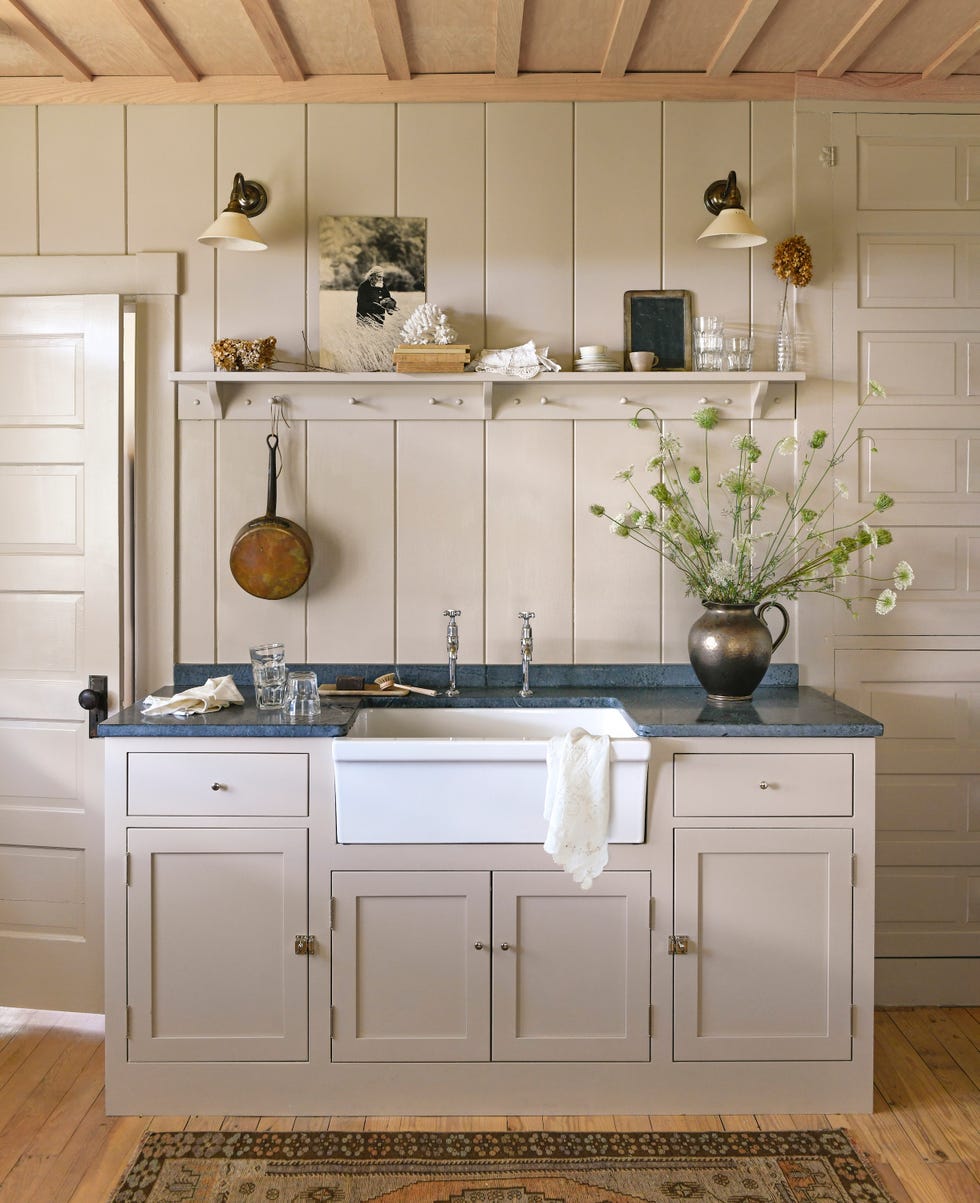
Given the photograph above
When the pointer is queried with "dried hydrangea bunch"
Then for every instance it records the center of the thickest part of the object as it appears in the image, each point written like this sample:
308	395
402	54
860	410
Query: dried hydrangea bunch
792	261
718	533
428	324
243	354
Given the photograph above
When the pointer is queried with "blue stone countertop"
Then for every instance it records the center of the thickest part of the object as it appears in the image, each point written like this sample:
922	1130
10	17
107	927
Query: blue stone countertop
657	700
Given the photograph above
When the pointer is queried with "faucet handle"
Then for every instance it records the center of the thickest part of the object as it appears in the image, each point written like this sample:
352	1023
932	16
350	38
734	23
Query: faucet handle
452	613
526	614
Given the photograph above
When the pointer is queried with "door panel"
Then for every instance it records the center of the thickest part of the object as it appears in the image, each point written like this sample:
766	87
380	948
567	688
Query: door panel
213	975
409	983
767	975
574	982
60	536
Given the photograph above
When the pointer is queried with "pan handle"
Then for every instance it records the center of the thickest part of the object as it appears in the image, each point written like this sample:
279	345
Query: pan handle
270	501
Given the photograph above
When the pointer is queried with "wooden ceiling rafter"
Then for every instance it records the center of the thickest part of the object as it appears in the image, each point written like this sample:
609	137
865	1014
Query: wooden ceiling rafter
509	29
625	34
275	40
24	25
391	39
955	55
859	37
744	31
159	40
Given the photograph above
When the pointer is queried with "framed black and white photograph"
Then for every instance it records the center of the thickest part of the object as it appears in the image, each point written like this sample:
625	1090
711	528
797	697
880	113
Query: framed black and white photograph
372	276
659	321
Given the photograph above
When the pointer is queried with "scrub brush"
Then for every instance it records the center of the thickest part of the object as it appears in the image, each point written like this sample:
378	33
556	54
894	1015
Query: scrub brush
388	682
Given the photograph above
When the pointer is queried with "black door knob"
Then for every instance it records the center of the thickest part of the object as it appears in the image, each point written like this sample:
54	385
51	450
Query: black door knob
92	699
95	699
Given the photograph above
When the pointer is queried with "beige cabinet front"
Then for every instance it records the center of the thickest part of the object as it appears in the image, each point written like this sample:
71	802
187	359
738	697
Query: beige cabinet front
766	971
212	919
427	968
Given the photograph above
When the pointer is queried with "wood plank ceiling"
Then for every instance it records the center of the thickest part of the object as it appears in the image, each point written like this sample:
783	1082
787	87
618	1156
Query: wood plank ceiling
166	51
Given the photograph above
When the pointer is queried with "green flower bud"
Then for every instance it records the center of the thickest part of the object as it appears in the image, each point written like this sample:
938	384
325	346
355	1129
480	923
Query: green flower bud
817	439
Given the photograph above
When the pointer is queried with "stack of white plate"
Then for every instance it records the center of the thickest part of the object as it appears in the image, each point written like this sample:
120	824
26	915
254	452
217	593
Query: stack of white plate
597	359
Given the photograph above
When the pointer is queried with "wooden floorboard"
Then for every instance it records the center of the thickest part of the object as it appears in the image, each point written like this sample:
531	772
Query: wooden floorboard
58	1146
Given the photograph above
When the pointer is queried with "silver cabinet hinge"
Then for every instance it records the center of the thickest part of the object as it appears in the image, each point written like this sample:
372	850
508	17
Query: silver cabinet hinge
129	1023
653	913
828	156
853	1020
304	946
333	912
651	1020
854	869
129	868
333	1010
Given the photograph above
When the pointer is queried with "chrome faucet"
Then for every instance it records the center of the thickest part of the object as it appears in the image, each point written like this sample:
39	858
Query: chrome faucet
527	650
452	647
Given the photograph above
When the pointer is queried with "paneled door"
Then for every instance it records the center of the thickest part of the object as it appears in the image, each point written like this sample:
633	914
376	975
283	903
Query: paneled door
766	975
60	542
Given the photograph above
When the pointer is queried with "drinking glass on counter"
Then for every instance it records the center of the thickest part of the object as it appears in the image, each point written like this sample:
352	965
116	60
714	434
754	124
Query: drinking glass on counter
709	343
269	675
302	695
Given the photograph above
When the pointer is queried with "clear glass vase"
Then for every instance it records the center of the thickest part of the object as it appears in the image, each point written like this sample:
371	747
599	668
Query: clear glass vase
786	332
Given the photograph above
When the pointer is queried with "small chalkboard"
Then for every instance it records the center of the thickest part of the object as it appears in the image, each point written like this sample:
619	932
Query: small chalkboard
659	322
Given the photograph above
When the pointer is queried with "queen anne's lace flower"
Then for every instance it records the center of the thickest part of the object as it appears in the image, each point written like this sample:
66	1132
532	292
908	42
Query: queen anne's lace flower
886	601
903	575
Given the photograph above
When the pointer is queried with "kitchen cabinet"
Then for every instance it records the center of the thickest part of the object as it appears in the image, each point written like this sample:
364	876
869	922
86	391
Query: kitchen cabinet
509	966
222	849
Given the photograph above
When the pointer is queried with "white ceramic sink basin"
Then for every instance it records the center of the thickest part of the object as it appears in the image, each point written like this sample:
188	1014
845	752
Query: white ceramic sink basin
459	776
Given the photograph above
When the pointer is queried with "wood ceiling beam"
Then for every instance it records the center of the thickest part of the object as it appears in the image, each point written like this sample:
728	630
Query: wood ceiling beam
510	26
859	37
955	56
159	40
388	27
740	37
24	25
275	40
623	39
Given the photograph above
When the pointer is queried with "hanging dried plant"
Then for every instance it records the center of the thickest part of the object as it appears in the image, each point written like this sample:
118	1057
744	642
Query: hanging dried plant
792	261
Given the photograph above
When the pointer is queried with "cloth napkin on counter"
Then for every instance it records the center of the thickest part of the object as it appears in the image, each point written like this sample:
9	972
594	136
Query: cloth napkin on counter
524	361
577	804
215	694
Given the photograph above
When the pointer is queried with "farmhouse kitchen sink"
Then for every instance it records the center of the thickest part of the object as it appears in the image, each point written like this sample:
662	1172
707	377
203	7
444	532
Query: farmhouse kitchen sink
458	776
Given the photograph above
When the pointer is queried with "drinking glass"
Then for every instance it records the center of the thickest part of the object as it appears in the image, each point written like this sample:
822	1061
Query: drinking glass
738	352
269	674
709	343
302	697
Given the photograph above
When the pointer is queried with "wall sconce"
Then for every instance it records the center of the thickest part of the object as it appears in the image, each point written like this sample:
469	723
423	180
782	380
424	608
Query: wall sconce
232	230
732	228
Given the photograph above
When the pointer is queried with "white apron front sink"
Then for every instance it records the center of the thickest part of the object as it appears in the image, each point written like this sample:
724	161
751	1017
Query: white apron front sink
465	776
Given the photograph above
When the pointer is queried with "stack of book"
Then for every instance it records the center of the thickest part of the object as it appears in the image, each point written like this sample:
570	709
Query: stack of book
431	357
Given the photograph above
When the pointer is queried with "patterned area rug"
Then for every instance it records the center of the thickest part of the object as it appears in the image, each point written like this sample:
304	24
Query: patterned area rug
498	1167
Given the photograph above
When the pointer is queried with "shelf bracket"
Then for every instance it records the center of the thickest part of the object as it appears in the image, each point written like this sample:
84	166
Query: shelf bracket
217	403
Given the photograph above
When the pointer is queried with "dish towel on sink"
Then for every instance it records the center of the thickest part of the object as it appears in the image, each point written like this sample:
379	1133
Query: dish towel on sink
576	804
214	694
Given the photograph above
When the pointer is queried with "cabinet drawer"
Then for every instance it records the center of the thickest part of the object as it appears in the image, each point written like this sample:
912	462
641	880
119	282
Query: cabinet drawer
764	784
218	783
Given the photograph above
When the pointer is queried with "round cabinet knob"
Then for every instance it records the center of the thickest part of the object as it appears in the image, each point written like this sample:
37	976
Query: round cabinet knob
216	785
504	946
478	946
763	785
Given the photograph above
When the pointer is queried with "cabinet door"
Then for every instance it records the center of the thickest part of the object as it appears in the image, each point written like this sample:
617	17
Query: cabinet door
411	966
213	915
571	967
767	973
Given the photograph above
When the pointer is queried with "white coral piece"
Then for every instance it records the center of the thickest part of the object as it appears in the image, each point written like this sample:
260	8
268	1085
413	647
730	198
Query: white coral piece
428	324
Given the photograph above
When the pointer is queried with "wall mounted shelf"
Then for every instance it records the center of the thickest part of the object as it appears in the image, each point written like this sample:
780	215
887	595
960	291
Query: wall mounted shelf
471	396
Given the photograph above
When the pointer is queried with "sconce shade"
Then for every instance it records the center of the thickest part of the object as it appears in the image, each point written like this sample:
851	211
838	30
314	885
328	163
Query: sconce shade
231	230
732	228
